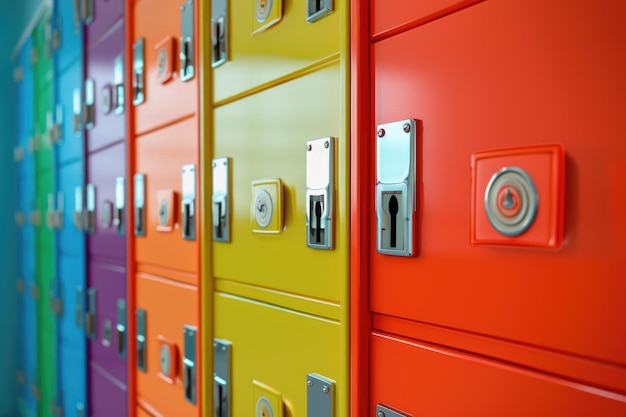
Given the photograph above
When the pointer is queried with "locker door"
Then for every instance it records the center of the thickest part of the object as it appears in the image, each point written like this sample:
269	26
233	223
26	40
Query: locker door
509	222
280	208
27	357
99	16
165	157
45	269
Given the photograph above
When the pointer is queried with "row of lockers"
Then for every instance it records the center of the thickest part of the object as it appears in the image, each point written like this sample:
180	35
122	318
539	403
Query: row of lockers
321	208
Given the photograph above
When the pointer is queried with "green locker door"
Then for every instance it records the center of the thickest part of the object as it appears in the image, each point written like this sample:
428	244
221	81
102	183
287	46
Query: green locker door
46	202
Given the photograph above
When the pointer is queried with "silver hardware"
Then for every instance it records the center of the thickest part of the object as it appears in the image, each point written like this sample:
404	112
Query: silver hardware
140	316
90	319
118	85
320	179
189	364
121	328
320	397
383	411
221	377
189	201
120	202
87	10
140	199
78	208
79	307
90	220
187	41
221	226
77	107
219	32
395	188
139	95
316	9
90	99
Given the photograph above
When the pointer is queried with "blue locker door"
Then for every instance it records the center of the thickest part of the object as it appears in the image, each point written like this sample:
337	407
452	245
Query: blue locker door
70	278
26	236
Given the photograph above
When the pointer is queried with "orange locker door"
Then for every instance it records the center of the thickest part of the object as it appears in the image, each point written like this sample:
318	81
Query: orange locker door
491	168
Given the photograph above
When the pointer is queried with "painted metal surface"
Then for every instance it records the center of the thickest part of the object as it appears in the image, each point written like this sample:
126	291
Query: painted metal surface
472	78
159	23
417	378
281	88
27	357
168	308
160	156
108	126
45	262
104	118
67	39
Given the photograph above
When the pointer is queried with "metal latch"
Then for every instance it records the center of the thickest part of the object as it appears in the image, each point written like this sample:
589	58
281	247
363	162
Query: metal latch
221	377
87	10
189	201
78	208
219	32
383	411
189	364
139	95
50	212
118	214
90	220
79	307
186	41
320	179
220	200
90	99
77	16
316	9
58	214
121	328
140	316
140	201
54	125
90	317
80	410
76	110
320	398
118	85
395	188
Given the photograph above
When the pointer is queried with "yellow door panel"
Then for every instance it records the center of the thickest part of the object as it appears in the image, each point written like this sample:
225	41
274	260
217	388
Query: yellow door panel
266	135
274	354
265	44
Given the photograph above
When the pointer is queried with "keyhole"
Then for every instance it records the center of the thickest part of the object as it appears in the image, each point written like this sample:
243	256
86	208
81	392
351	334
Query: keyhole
218	227
509	200
318	221
393	212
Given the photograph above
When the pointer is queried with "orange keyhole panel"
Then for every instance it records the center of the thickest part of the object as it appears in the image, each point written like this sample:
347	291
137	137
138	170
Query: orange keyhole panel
390	16
450	383
169	306
518	197
487	83
160	156
167	97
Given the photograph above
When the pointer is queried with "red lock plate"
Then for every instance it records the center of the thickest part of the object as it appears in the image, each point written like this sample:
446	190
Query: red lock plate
533	199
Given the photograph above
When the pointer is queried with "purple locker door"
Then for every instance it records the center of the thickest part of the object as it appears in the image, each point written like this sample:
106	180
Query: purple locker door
105	116
101	15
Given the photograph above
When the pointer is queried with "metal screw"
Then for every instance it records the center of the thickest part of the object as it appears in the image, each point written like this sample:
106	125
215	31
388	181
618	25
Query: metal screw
326	144
309	383
325	389
381	133
407	127
309	147
380	414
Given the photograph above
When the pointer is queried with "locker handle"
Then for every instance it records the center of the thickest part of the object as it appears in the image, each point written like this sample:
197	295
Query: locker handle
90	325
118	220
121	339
188	368
221	397
77	16
188	220
139	227
141	352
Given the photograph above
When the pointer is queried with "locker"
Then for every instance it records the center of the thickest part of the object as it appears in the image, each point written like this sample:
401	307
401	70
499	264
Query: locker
105	240
25	281
280	108
104	87
389	17
106	397
161	156
167	375
412	378
279	356
165	62
511	222
66	135
99	16
107	346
